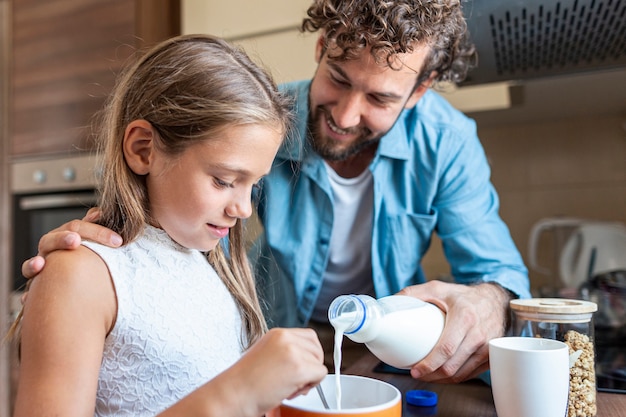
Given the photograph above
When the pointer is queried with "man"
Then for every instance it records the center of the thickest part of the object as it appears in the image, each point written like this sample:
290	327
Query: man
378	162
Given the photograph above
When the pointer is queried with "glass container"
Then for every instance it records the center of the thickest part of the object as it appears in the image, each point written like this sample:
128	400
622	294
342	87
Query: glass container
571	322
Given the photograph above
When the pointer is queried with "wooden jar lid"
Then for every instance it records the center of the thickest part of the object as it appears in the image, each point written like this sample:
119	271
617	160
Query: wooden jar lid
554	306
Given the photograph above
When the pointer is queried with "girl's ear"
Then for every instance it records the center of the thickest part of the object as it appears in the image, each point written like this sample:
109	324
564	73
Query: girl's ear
138	146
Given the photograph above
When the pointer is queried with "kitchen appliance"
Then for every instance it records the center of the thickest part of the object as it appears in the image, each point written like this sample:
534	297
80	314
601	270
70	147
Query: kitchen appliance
608	291
524	39
591	264
583	248
47	193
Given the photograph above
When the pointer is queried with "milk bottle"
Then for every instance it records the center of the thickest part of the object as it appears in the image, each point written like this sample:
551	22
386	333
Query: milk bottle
399	330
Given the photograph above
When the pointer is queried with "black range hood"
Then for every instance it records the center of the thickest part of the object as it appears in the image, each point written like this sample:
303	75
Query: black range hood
526	39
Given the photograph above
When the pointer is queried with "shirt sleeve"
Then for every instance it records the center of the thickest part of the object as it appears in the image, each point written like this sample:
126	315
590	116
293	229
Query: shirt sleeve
476	241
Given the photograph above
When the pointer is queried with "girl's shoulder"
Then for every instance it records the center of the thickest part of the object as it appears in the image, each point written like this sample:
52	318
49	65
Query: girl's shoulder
70	266
78	277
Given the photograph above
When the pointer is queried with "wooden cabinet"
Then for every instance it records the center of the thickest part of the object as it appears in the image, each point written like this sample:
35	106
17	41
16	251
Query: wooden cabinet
65	57
58	62
4	211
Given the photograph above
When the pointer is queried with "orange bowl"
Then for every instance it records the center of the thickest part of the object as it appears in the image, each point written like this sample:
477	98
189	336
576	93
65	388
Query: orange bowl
361	396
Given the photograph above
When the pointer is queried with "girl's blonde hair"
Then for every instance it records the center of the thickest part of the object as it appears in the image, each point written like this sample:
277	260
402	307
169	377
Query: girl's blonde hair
187	87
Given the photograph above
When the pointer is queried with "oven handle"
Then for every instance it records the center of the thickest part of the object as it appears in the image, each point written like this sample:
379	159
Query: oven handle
57	201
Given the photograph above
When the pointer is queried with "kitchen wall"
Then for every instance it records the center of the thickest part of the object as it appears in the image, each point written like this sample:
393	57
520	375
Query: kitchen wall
560	150
267	30
568	167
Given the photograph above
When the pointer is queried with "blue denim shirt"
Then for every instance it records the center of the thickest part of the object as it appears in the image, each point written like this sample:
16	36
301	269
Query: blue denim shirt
430	175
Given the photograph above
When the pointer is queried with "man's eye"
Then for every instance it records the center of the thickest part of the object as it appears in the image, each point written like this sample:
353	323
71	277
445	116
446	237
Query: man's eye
379	100
339	82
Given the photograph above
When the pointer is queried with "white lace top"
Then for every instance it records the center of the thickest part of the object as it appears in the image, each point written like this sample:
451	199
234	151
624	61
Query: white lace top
177	326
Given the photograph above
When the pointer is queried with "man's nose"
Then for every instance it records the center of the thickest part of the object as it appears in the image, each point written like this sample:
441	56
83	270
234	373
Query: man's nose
347	112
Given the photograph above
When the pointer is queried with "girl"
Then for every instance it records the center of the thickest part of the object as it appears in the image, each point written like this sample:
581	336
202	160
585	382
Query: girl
161	324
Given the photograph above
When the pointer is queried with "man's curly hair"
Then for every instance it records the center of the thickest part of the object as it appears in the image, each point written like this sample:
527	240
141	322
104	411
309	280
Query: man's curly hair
393	27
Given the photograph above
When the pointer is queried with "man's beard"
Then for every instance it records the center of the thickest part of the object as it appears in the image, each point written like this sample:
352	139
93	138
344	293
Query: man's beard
327	148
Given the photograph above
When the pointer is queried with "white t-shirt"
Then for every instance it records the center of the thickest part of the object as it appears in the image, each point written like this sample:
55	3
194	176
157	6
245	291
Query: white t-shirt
349	269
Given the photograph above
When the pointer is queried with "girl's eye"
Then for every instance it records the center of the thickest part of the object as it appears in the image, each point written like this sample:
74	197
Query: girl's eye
222	184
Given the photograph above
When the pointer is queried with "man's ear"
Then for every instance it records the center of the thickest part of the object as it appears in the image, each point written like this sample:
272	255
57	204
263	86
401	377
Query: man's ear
138	146
420	91
319	49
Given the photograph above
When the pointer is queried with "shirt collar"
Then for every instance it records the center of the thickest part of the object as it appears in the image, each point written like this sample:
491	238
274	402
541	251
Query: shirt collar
296	146
395	144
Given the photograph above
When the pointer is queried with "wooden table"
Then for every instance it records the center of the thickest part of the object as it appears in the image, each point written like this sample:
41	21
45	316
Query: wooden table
469	399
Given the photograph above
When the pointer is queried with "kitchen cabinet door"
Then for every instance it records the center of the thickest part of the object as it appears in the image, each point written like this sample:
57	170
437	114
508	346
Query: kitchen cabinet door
65	57
5	235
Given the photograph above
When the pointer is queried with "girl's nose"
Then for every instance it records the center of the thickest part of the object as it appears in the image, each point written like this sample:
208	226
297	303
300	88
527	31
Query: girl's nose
240	206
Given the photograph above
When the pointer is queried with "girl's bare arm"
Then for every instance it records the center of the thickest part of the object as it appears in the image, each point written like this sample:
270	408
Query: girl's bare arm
66	318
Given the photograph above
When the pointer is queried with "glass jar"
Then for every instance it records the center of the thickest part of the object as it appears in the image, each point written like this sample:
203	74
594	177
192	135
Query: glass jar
571	322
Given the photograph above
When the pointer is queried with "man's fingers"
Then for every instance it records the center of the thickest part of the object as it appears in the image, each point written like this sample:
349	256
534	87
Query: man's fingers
92	215
32	267
69	236
56	241
434	292
457	369
441	355
101	234
49	243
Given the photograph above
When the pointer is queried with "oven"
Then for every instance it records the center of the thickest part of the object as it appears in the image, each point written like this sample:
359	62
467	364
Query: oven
47	193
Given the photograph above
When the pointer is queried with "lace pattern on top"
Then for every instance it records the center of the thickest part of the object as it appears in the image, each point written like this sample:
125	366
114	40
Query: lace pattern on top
177	326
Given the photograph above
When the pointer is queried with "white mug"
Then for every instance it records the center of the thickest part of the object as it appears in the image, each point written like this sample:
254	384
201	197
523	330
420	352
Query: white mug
529	376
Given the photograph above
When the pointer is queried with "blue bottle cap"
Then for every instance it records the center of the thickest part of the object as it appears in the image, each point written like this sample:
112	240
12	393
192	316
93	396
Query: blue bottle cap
421	398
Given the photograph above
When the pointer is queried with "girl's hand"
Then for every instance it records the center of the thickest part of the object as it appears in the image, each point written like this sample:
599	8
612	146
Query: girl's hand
284	363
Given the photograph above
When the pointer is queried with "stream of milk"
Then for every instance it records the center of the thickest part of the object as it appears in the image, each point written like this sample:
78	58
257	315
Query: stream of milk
340	324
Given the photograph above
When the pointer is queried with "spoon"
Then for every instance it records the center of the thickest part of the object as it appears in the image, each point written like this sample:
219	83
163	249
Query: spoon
322	396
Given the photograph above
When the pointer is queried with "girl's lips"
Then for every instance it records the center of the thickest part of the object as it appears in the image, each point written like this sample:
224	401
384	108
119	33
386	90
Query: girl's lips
218	231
